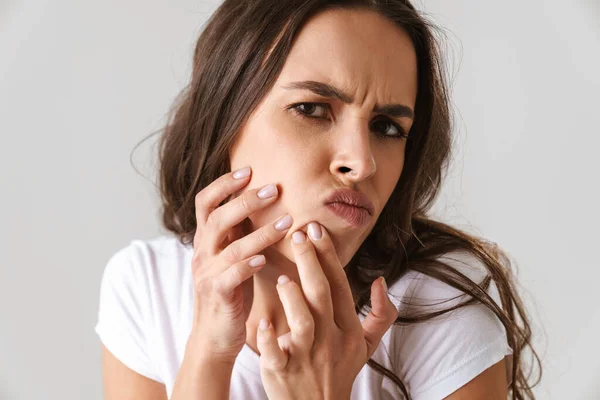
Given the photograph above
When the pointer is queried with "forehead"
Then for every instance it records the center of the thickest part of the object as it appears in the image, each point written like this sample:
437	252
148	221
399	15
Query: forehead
359	51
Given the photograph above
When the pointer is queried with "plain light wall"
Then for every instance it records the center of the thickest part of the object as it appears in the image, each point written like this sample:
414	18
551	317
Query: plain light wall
81	83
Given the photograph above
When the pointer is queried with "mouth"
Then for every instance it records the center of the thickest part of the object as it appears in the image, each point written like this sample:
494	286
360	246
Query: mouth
352	198
354	215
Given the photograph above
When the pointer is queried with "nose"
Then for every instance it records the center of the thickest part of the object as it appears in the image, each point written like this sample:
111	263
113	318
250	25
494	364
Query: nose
352	159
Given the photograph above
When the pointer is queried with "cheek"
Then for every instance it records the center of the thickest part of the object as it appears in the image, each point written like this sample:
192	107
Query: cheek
393	165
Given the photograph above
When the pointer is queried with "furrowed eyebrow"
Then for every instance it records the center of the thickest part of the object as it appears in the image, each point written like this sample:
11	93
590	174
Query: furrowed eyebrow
326	90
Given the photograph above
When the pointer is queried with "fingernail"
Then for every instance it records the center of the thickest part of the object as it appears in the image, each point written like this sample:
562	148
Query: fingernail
269	190
264	324
314	231
298	237
283	279
257	261
241	173
284	222
384	284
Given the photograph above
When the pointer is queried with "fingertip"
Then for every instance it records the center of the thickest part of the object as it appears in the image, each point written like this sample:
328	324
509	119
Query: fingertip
263	331
263	324
382	286
257	261
323	231
385	288
383	303
385	292
282	280
386	295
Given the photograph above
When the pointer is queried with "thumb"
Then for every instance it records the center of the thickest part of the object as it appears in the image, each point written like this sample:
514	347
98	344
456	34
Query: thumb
382	316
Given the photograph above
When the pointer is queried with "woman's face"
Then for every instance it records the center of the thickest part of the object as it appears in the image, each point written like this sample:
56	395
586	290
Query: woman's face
344	145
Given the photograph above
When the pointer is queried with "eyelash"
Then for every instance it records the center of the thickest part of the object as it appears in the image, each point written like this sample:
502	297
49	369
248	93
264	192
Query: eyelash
296	111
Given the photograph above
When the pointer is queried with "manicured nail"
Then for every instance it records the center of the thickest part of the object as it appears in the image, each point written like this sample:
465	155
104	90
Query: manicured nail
284	222
269	190
241	173
298	237
283	279
314	231
264	324
384	284
257	261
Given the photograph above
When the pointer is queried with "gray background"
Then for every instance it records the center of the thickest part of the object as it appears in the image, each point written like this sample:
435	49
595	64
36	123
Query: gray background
82	82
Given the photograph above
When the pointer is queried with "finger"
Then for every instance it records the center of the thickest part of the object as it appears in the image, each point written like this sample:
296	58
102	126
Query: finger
298	315
237	273
382	316
341	295
218	190
314	282
224	218
235	233
272	357
256	241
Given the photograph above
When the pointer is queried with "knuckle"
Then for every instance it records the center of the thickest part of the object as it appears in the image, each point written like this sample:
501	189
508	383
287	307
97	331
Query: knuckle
237	275
278	365
305	326
245	202
219	288
273	365
322	292
213	221
198	199
197	259
232	253
338	288
354	342
202	285
263	237
199	203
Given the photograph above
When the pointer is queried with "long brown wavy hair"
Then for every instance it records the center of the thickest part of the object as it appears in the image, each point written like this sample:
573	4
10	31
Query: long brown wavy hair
237	58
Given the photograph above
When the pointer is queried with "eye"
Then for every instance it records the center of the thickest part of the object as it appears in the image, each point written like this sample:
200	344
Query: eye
311	106
306	110
394	128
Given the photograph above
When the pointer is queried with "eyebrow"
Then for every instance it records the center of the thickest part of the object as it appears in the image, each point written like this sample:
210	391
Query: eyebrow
329	91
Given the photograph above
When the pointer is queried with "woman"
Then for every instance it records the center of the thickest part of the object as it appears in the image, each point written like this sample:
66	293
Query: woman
343	108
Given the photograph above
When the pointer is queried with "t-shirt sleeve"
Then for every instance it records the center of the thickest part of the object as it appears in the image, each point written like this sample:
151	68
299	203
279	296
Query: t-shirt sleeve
437	357
124	311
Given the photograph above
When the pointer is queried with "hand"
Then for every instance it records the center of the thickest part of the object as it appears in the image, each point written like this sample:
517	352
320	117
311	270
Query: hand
220	264
327	345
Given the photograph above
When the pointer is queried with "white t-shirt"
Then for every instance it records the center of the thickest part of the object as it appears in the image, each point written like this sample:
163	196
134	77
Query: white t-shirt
146	309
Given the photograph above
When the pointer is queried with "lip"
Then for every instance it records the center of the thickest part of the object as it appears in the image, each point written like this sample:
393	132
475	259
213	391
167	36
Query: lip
351	198
356	216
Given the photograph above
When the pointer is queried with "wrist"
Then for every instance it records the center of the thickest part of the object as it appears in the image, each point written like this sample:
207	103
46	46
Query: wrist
207	369
202	377
204	354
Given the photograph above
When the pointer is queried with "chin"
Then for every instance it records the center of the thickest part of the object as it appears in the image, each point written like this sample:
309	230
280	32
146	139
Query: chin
284	247
344	250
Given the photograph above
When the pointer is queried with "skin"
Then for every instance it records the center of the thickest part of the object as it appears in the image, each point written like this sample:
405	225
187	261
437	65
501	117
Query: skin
368	57
304	157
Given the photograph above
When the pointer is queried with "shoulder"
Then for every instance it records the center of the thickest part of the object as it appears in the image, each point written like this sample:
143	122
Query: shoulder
155	274
418	289
150	252
142	261
435	357
141	291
